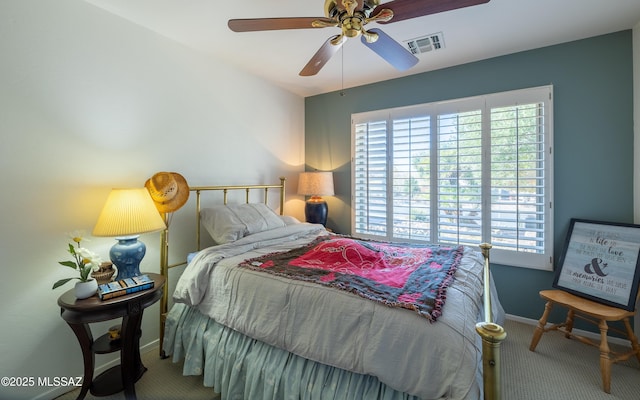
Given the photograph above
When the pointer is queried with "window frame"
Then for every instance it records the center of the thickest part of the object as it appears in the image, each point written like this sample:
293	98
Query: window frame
485	103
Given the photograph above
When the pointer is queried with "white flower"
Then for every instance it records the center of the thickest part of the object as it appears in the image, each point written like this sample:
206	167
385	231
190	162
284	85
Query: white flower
89	258
84	260
78	236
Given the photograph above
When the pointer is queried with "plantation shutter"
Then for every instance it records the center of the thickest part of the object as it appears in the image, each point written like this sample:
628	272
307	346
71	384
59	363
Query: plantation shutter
370	178
411	181
459	206
518	177
463	171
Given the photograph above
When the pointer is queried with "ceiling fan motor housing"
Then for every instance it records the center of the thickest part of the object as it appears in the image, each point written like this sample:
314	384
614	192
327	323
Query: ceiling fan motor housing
351	20
351	26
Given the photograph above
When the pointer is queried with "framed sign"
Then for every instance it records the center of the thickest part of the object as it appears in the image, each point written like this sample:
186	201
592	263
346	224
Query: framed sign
600	262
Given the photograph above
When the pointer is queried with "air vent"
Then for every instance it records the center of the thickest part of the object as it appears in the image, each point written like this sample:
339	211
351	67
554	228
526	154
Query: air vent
424	44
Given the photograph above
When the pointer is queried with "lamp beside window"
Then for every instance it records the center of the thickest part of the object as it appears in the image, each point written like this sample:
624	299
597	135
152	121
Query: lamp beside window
128	213
316	184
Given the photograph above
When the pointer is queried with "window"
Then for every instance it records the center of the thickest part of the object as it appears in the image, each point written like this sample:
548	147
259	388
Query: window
463	171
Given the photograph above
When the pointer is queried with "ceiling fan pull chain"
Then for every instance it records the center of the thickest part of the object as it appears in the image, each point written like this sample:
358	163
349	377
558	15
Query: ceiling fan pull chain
342	73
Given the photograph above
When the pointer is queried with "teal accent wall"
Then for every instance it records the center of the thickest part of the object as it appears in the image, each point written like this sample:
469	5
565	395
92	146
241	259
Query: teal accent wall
593	135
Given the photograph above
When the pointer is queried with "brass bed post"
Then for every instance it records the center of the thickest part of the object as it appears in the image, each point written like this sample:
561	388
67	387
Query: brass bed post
282	194
198	217
492	335
164	271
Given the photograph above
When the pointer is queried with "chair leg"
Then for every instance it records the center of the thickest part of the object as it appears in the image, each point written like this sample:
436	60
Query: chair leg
537	334
569	324
605	360
632	338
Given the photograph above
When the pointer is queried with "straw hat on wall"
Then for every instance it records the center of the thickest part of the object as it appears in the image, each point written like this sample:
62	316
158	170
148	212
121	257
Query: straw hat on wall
169	191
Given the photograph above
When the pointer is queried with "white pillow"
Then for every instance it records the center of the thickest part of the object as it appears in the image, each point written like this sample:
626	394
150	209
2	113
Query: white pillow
289	220
229	223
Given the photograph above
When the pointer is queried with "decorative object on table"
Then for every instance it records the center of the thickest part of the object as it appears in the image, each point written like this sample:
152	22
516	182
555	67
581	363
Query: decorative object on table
84	262
105	273
125	286
128	213
316	184
86	289
114	333
169	191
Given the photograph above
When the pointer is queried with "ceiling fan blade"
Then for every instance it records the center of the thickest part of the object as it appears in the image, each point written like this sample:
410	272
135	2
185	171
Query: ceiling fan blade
323	55
407	9
271	24
393	52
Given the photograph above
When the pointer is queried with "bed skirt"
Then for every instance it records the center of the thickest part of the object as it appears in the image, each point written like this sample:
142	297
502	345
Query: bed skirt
239	367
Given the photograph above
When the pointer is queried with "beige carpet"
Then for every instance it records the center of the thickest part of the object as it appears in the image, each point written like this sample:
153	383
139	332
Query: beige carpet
162	381
559	369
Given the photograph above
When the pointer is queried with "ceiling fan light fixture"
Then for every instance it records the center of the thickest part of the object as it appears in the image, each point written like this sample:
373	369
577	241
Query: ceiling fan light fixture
351	25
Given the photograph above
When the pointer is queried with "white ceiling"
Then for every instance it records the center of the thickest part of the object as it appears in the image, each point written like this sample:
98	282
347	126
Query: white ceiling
470	34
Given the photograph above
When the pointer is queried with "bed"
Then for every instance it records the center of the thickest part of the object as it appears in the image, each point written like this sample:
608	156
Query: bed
259	318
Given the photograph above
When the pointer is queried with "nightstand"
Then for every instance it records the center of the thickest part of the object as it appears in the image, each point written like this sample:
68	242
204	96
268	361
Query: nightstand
80	313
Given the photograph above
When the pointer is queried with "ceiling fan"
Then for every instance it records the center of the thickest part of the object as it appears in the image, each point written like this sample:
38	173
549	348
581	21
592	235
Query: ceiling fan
352	16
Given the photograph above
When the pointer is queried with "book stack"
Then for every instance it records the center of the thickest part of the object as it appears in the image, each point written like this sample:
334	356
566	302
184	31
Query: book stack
124	286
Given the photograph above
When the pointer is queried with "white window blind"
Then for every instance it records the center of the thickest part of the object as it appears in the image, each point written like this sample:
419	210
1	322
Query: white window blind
464	171
370	164
410	178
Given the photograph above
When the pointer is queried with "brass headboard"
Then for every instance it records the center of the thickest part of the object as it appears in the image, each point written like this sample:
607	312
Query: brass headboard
492	334
164	240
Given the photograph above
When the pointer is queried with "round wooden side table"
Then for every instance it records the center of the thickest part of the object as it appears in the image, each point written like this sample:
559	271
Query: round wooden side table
80	313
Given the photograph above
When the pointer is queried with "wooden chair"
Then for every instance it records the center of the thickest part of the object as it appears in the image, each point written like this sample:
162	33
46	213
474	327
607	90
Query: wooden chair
593	312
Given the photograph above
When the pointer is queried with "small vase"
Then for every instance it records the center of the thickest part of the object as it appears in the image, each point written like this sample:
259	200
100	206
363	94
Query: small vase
86	289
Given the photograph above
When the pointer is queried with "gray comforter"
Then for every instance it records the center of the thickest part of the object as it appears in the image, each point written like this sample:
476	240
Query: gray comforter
403	350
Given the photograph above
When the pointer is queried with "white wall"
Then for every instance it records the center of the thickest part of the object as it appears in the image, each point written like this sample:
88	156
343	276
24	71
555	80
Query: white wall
89	102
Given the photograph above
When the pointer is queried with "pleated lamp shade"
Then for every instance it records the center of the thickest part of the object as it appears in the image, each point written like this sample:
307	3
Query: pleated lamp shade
128	212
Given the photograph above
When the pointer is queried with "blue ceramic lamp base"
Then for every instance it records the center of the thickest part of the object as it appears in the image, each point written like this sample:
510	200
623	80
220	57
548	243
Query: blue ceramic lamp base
126	256
316	211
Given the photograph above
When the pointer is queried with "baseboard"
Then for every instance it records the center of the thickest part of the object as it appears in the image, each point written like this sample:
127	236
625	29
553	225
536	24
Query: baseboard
590	335
59	391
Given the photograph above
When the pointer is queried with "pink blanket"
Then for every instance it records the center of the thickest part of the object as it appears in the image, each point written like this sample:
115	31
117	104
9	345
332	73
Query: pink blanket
410	276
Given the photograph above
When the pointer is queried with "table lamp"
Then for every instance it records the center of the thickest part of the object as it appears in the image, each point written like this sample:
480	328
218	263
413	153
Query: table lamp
316	184
126	214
